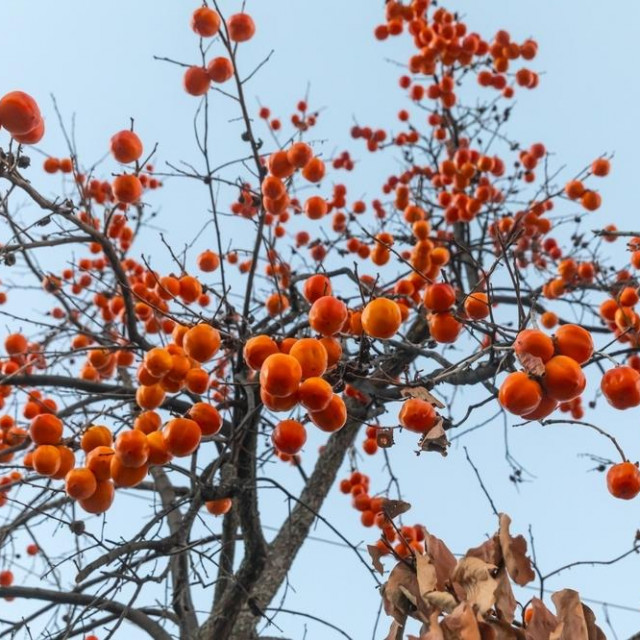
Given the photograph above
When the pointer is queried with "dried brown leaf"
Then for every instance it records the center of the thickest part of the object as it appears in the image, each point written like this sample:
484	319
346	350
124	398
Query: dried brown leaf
594	631
376	554
498	630
394	598
514	551
474	576
423	393
489	551
384	438
532	364
441	600
443	560
434	631
426	574
393	508
506	602
572	625
395	631
435	439
461	624
542	621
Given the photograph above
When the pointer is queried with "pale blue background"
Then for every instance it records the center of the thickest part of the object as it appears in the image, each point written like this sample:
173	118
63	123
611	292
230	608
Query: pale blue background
97	59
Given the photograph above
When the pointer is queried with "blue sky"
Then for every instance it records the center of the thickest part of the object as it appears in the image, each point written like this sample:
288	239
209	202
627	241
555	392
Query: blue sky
96	58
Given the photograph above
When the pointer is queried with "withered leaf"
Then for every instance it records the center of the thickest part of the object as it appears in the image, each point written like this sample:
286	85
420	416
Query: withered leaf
498	630
426	574
532	364
396	603
376	554
384	438
461	623
594	631
474	576
395	631
434	631
506	602
489	551
572	625
514	551
443	560
542	621
393	508
441	600
423	393
435	439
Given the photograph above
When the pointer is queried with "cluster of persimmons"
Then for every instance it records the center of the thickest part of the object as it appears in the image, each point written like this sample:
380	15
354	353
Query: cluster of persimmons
298	373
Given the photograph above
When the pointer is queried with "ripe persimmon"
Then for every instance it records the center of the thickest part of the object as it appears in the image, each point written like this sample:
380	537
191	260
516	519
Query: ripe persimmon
182	436
548	320
46	459
6	578
444	327
574	341
476	305
289	436
190	289
623	480
621	387
439	297
196	81
98	461
328	315
67	462
519	394
218	507
278	404
315	287
126	146
534	343
19	113
131	448
205	22
333	417
314	394
381	318
600	167
80	483
201	342
124	476
15	344
158	452
333	348
158	362
311	355
31	137
563	378
417	415
100	500
280	375
546	407
45	428
208	261
207	417
258	349
314	170
299	155
150	396
241	27
127	188
197	381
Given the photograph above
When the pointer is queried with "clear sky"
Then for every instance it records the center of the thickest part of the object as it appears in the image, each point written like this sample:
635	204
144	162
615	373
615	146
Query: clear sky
96	58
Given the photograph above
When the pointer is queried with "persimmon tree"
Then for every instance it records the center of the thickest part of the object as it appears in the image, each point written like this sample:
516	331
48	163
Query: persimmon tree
352	317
